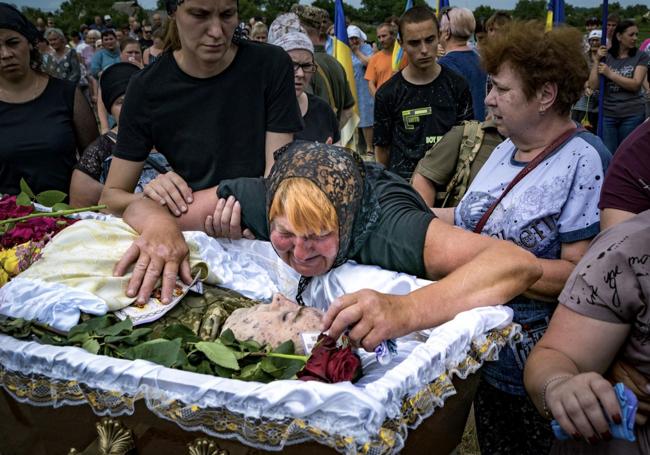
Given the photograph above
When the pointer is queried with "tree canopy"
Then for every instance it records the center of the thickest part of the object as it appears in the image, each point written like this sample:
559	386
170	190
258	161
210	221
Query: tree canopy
73	13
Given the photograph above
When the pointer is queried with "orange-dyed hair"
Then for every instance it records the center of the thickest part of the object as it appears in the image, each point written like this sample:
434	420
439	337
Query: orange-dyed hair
306	207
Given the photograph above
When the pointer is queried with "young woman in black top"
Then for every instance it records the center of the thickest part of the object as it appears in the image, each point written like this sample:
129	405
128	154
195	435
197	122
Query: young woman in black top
44	122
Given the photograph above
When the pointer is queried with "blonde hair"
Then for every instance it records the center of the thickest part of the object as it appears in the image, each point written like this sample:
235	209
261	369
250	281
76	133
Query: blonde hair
460	22
259	28
306	207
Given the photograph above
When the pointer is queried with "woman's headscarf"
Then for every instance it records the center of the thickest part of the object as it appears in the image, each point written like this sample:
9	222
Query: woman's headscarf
114	81
294	40
356	32
283	24
341	175
12	19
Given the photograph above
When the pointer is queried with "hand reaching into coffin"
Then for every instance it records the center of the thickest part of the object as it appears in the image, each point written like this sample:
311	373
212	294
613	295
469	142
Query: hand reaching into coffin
371	316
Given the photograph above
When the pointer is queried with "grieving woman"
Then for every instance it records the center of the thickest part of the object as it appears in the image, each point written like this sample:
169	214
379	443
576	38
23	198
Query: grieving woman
320	206
539	189
44	121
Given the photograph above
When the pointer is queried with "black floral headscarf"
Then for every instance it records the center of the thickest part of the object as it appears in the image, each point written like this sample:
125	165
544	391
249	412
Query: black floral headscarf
342	176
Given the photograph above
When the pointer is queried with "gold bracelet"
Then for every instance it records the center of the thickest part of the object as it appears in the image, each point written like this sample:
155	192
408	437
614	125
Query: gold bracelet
547	412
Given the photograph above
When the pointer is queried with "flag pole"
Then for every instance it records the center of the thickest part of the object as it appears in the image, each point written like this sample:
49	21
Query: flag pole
601	79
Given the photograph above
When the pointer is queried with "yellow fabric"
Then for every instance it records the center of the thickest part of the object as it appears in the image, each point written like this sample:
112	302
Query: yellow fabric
83	255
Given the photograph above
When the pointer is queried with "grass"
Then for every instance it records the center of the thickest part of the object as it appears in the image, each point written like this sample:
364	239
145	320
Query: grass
469	443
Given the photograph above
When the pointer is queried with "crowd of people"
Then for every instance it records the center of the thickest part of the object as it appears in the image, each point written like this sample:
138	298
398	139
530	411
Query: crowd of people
479	170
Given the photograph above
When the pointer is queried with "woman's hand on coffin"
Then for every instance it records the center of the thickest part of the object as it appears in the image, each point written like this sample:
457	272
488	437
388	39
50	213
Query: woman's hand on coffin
621	371
226	221
170	190
160	251
582	405
371	317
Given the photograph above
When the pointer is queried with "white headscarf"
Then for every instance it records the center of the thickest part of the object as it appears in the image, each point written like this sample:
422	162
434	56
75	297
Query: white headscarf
356	32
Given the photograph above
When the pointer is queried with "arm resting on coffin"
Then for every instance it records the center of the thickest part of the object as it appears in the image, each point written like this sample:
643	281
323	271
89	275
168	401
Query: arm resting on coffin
477	270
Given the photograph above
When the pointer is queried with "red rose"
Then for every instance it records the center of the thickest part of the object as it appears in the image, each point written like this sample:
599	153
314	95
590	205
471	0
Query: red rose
344	365
330	364
316	367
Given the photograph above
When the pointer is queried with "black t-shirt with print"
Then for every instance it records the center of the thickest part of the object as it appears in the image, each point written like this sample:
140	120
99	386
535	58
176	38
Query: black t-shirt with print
320	122
214	128
410	118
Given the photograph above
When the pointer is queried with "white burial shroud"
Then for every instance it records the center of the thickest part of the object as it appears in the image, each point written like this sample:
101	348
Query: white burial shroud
253	269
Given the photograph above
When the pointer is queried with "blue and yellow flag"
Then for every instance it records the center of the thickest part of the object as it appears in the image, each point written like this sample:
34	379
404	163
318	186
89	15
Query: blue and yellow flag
341	47
341	51
398	52
554	13
442	4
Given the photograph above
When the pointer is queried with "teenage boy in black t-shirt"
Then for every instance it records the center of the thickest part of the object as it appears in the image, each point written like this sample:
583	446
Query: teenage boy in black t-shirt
418	105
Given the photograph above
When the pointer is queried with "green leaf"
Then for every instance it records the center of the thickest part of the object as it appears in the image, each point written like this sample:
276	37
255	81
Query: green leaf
23	199
254	373
115	329
130	338
80	337
91	346
218	353
205	367
221	371
285	348
180	331
60	206
24	188
92	324
228	338
250	346
50	197
160	351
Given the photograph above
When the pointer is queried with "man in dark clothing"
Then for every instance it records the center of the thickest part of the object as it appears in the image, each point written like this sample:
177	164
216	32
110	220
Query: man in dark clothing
419	104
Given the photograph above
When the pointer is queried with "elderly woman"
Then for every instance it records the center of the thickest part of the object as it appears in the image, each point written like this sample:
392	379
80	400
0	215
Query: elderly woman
625	69
456	28
539	189
320	124
322	205
44	121
62	62
602	317
205	105
361	53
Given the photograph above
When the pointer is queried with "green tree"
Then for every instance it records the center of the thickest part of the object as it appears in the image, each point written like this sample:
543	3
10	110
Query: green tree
483	12
530	9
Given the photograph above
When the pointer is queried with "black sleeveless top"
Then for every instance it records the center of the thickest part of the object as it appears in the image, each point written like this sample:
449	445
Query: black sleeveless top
38	141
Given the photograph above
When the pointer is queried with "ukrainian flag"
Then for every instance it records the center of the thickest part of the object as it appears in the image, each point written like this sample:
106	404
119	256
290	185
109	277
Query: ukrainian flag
398	52
341	51
554	13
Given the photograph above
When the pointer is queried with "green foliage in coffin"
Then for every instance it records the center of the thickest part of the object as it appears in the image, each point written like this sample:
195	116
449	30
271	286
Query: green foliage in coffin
177	347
